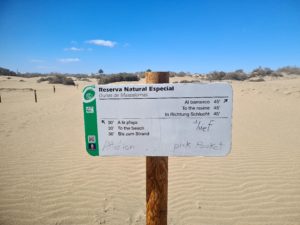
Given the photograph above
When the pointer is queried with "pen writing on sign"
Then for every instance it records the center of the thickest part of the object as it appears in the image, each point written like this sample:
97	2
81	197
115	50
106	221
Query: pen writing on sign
111	146
199	145
204	126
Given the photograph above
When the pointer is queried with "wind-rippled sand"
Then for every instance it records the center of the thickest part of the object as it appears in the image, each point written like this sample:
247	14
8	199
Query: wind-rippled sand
46	177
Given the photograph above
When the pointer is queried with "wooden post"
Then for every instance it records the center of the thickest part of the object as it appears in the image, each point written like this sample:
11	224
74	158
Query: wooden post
157	173
53	88
35	97
0	99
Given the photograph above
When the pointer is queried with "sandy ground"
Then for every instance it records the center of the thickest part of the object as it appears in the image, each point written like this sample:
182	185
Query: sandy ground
46	177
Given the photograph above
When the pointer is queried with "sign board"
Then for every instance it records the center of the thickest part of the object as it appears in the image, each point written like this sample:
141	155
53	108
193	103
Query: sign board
158	119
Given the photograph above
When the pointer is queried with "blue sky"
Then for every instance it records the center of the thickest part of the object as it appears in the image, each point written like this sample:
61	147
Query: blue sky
128	36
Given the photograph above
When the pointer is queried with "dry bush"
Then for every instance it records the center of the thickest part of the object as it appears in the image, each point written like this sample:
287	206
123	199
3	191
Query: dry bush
276	74
58	79
117	78
289	70
216	75
43	79
257	80
189	81
236	75
68	81
172	74
262	72
181	74
84	79
142	75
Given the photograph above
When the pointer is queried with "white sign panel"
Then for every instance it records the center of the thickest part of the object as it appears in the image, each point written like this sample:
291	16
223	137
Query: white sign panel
158	119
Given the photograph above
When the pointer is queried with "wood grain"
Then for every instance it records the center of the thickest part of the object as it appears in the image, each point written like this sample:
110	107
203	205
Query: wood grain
157	173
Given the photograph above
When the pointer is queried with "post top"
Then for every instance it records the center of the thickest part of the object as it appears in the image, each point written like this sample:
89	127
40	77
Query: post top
157	77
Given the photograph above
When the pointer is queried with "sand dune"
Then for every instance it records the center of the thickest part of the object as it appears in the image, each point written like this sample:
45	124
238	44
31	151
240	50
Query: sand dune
46	177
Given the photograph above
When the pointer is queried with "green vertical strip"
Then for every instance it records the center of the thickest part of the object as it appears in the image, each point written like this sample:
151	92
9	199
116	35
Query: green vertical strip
90	120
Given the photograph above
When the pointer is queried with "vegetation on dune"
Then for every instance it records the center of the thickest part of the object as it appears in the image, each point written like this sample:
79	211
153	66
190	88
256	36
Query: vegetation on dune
257	80
84	79
58	79
7	72
289	70
239	75
106	79
236	75
262	72
188	81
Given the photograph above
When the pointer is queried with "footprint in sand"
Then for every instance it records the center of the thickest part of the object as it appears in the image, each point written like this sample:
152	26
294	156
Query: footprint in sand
198	205
8	133
137	219
287	92
102	217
